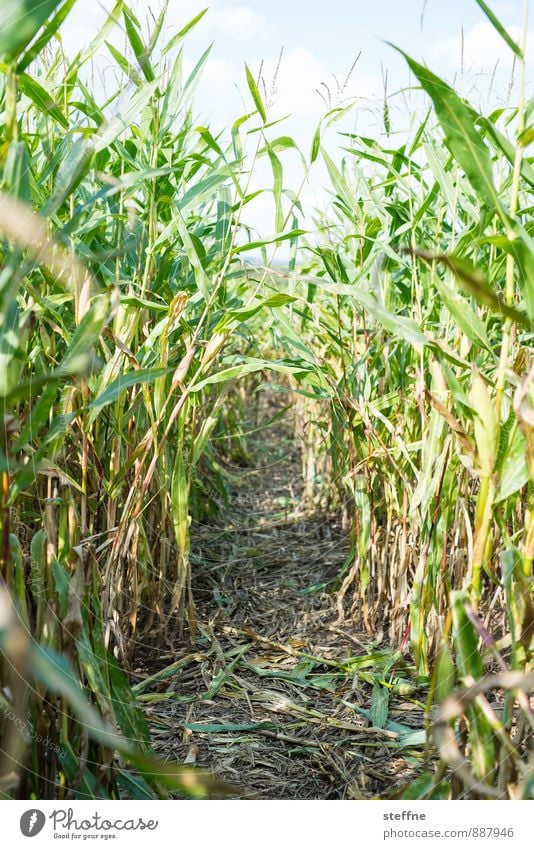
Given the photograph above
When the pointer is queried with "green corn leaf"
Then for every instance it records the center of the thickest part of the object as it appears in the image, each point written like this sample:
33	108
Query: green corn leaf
172	100
470	665
25	389
180	501
133	301
111	22
458	122
206	135
20	581
139	49
523	253
160	21
501	143
130	717
464	315
445	674
235	372
256	96
111	131
124	65
420	788
316	145
134	786
196	74
379	706
194	256
269	240
20	21
224	728
16	176
245	313
71	172
125	381
41	98
86	334
406	736
465	637
40	414
474	281
512	466
171	44
278	175
500	29
46	36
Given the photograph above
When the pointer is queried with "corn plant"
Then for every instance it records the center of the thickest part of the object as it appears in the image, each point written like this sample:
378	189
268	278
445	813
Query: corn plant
130	308
420	302
122	281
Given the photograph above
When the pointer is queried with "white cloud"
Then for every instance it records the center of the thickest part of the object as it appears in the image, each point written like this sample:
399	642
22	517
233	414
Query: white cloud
235	22
228	22
300	73
482	47
82	25
240	23
218	80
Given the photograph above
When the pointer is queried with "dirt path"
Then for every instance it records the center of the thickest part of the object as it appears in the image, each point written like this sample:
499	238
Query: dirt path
260	699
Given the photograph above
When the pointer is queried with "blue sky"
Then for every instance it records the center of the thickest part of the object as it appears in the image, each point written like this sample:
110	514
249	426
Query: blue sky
322	39
320	42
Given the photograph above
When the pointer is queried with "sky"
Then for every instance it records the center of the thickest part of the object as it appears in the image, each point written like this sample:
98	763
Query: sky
320	42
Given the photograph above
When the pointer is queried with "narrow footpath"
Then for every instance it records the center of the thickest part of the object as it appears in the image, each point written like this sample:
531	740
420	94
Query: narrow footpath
274	696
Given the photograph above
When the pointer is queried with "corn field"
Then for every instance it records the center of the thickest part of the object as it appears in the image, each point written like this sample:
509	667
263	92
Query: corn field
142	319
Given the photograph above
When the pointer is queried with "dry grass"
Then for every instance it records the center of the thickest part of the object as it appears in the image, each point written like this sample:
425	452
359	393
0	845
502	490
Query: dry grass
262	697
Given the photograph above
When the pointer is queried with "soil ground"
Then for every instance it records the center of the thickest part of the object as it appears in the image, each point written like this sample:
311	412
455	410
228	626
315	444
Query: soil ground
266	697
